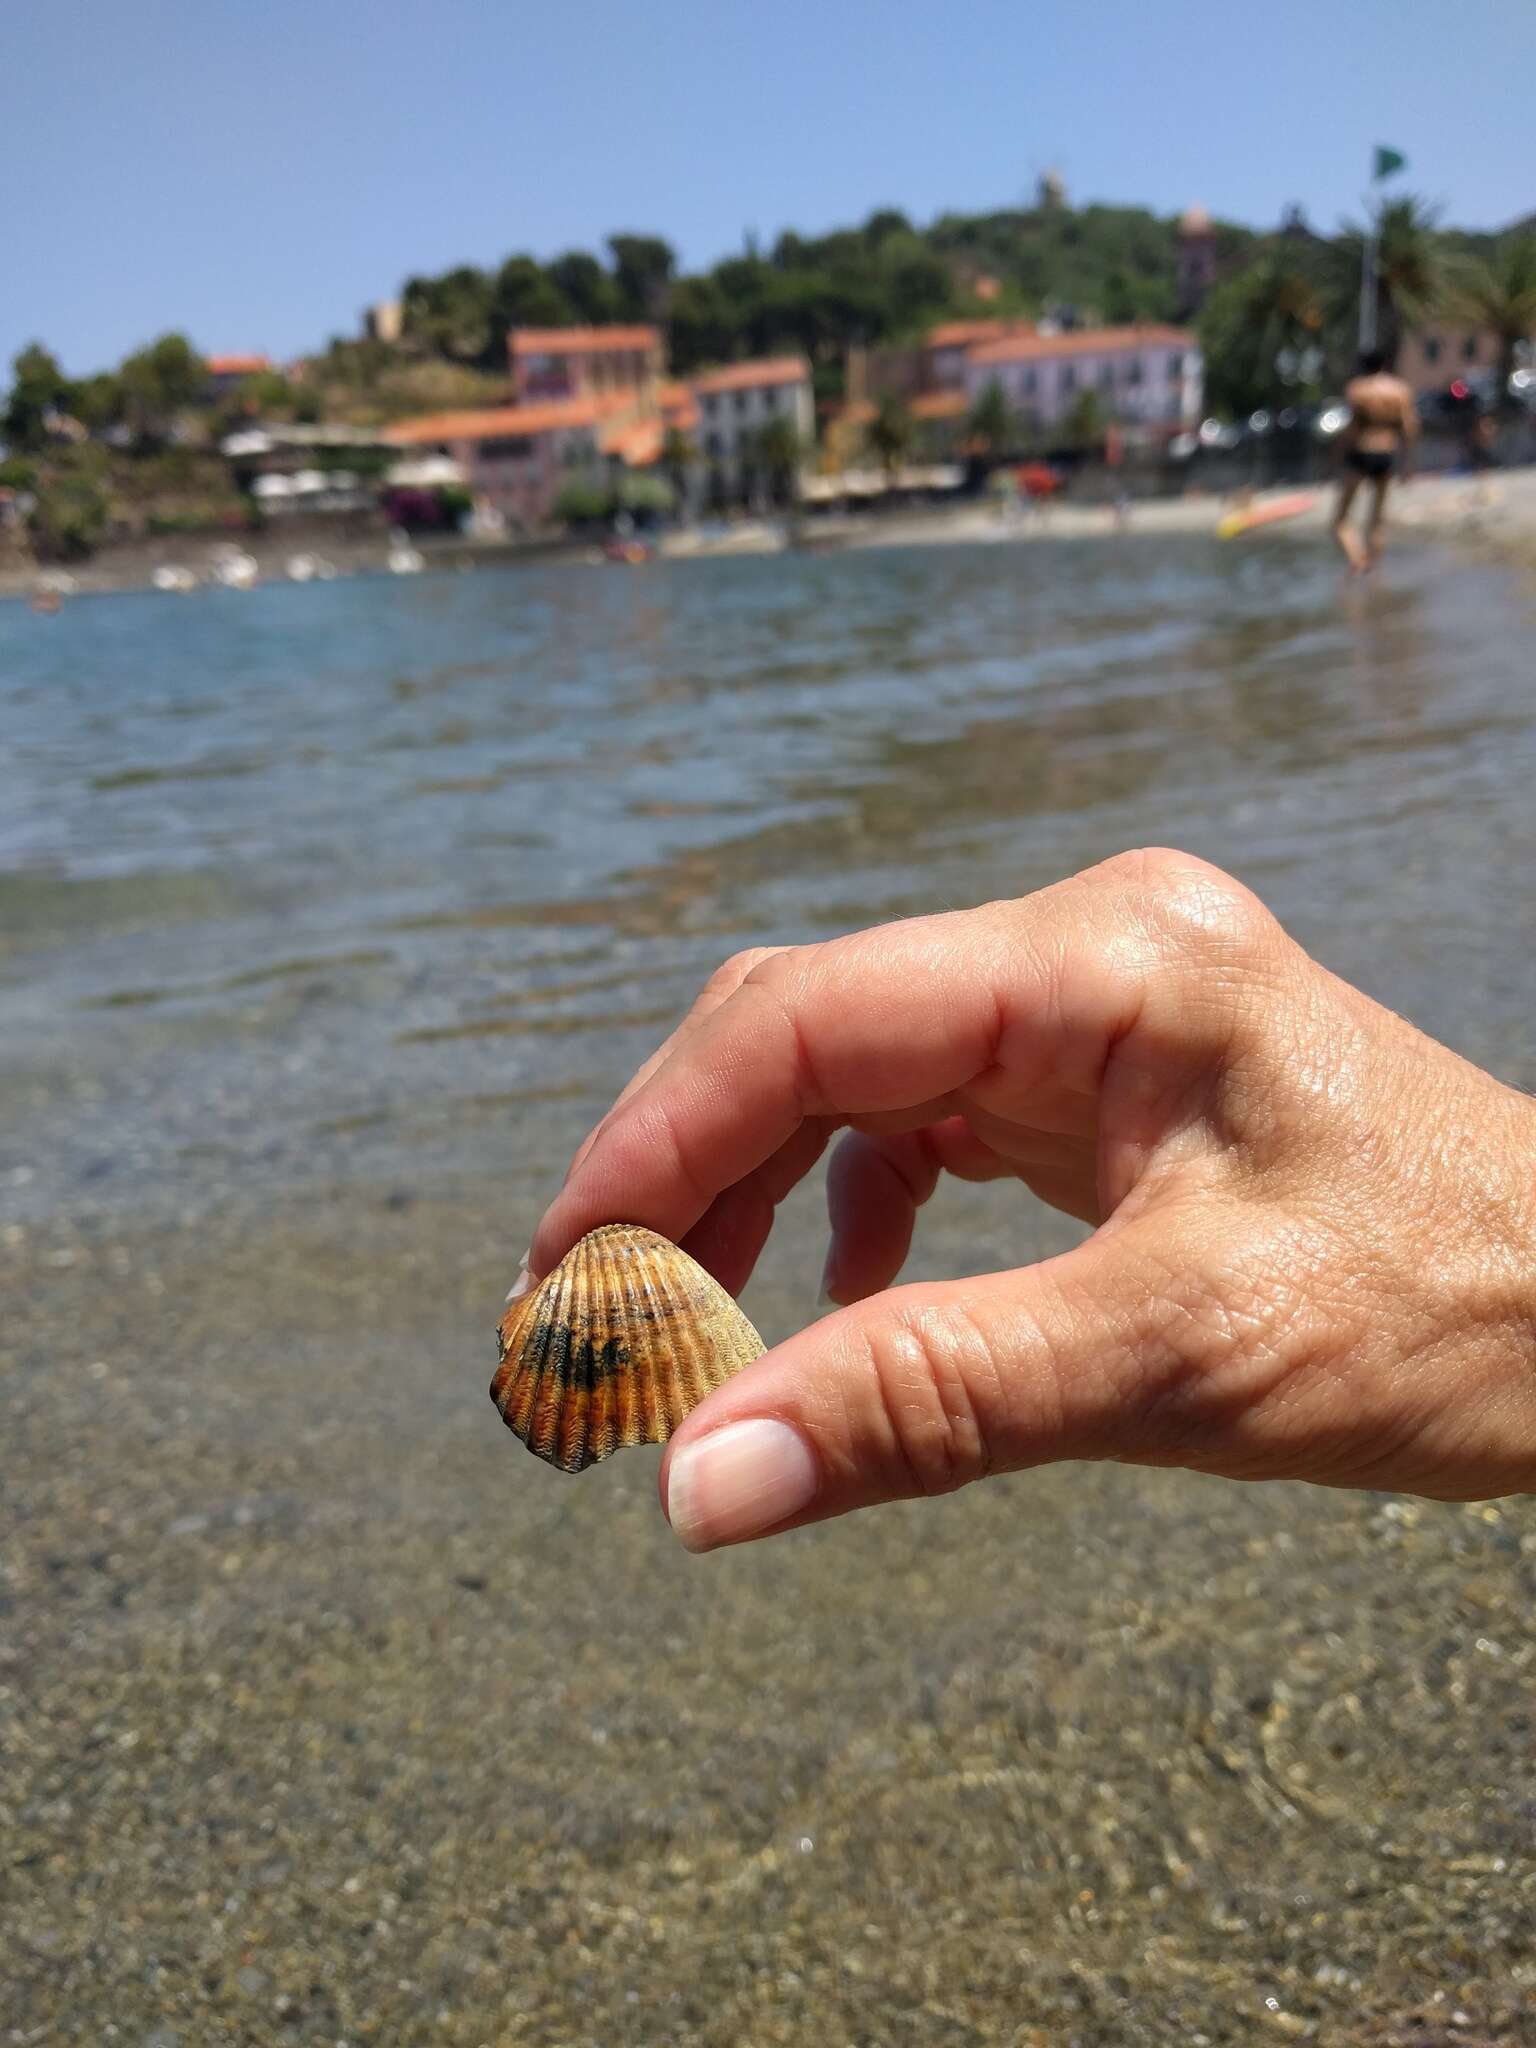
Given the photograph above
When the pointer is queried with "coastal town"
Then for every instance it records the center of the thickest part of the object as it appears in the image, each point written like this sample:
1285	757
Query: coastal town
644	434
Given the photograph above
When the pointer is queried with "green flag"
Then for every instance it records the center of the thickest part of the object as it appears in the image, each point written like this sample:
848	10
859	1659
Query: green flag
1387	161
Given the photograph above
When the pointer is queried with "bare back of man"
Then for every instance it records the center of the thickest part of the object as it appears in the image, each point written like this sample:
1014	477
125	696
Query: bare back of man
1382	422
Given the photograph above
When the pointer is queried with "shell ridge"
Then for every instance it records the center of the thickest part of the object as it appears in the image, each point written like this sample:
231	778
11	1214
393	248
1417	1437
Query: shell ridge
615	1347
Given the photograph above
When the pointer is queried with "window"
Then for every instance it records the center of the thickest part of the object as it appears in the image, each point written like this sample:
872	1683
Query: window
1107	377
1432	349
1030	383
508	448
743	398
1069	377
1135	370
771	400
1175	367
711	405
1469	349
712	444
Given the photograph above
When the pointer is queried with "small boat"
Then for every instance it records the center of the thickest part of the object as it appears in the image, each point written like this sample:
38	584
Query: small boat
404	560
172	576
302	568
234	568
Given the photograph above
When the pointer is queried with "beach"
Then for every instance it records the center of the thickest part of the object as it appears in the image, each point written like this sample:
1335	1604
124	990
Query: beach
1494	515
330	919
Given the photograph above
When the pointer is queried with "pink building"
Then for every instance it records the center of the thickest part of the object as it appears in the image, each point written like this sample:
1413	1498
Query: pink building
1143	376
585	362
515	457
1433	358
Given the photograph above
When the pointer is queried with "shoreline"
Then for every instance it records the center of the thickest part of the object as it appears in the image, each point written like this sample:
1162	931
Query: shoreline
1495	514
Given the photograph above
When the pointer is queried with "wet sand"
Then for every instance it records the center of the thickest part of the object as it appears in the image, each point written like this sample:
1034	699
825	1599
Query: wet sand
328	1714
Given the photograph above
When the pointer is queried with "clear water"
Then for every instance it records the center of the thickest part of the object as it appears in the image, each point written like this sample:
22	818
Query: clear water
322	880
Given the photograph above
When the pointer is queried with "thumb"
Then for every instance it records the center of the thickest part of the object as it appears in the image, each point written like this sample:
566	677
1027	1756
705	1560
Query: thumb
920	1390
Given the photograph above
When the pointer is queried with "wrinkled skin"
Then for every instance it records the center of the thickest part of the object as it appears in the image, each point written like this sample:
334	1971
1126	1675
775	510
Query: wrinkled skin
1314	1252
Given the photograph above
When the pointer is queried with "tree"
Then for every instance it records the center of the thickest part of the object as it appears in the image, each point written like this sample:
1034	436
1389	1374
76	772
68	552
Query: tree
159	382
773	456
1412	272
99	402
450	315
591	293
1085	423
1500	294
583	501
1263	334
889	433
523	295
38	388
68	518
702	324
992	423
643	268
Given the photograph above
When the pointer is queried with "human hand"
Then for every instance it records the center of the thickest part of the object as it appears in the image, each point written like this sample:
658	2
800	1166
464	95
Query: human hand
1315	1244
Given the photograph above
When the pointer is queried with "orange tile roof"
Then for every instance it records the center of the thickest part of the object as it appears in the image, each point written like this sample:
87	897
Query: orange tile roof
678	406
635	444
753	376
237	366
579	341
962	333
939	405
495	421
1081	341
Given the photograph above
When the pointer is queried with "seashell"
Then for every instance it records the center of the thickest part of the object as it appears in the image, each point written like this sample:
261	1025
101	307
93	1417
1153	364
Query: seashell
625	1337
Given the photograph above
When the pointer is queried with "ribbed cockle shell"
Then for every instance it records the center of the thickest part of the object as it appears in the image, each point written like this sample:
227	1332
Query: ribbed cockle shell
623	1339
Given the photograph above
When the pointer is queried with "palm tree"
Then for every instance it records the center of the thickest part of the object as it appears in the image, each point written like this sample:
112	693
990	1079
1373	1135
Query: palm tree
1262	334
1501	296
1412	272
678	458
773	454
992	424
890	432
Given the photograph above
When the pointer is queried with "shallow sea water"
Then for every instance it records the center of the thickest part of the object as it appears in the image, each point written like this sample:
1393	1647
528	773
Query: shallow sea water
330	918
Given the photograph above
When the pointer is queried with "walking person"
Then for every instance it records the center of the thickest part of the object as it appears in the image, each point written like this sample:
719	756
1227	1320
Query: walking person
1382	423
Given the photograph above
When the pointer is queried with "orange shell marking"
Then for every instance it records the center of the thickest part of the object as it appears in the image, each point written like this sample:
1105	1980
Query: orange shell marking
624	1338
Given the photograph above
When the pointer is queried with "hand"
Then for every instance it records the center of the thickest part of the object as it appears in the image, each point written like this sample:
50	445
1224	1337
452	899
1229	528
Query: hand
1315	1244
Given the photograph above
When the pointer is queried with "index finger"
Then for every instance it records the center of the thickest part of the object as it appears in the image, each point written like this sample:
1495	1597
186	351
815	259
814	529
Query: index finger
894	1019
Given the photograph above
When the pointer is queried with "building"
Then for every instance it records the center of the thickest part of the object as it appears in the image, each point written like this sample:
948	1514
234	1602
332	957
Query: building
736	402
1436	356
551	364
1144	376
515	458
947	347
1195	273
225	372
916	370
384	322
303	467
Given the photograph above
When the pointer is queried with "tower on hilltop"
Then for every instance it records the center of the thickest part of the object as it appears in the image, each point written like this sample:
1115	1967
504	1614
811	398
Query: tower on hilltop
1050	192
1196	270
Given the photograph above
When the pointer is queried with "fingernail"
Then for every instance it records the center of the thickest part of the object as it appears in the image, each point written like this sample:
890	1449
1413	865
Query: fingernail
825	1297
524	1278
743	1479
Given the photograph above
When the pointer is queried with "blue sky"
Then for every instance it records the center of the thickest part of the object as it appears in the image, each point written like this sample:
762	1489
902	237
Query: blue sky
255	175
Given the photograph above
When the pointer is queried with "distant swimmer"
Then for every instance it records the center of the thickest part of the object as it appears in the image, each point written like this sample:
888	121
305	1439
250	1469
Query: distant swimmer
1382	422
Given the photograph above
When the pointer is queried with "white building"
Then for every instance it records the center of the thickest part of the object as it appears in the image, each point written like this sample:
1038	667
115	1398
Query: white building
1144	376
735	404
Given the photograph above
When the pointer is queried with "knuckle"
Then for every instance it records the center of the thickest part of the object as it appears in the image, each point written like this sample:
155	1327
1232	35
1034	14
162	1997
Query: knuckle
923	1368
739	967
1196	910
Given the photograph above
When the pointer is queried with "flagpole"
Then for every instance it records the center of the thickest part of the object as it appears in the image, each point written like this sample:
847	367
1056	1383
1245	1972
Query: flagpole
1368	293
